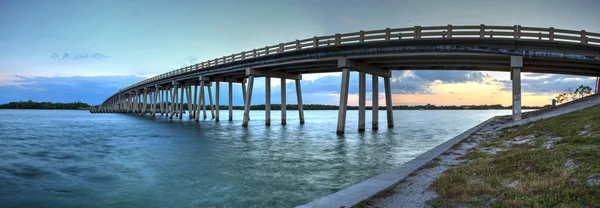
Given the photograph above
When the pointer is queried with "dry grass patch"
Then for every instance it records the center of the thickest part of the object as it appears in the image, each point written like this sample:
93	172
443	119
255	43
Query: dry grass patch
532	173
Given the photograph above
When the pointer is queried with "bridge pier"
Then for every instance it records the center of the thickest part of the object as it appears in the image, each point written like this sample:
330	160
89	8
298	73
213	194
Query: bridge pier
299	98
375	101
516	63
182	94
190	103
248	101
195	102
283	102
201	92
341	126
252	73
217	106
361	101
210	98
388	102
268	101
363	68
230	107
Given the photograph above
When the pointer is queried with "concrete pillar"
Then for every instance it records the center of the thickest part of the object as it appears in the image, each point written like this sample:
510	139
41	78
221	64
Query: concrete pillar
299	98
283	103
137	96
173	101
154	99
248	101
268	101
210	99
201	94
388	101
217	105
343	101
244	90
362	85
230	108
203	104
190	102
169	101
516	63
182	87
162	101
195	102
375	101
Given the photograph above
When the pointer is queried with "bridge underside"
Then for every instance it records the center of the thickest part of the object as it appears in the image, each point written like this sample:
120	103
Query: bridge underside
375	58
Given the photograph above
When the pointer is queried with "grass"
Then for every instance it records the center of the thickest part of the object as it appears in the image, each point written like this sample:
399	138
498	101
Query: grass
537	176
370	202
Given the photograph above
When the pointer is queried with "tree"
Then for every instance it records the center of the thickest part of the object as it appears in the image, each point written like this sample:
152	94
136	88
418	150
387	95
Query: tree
580	92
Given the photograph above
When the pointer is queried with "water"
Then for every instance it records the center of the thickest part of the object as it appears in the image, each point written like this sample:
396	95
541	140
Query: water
61	158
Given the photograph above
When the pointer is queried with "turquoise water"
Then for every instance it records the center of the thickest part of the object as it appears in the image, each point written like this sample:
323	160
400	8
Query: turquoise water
62	158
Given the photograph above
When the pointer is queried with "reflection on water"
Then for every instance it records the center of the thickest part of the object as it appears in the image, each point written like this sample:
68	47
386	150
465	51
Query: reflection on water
74	158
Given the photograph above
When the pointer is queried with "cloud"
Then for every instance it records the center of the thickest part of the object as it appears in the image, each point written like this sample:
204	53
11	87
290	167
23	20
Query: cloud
92	90
420	81
349	20
80	56
549	83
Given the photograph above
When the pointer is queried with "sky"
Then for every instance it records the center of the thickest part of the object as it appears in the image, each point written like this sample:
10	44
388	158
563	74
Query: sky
73	50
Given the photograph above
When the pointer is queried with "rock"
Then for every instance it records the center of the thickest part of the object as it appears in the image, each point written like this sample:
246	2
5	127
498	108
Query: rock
570	164
529	167
594	180
585	131
513	184
550	143
492	201
491	151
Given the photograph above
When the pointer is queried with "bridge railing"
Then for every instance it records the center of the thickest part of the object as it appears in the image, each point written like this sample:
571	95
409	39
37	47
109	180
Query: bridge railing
390	34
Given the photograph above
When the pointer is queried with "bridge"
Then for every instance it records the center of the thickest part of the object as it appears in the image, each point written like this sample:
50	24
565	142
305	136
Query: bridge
512	49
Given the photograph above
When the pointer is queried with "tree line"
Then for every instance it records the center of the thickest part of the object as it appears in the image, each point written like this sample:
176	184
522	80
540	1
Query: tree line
44	105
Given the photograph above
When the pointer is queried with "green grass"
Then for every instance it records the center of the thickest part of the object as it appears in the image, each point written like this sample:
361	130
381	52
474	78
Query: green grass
543	180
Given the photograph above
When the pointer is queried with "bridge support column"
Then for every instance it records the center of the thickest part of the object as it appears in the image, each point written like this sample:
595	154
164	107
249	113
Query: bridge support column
230	107
199	101
210	99
516	63
283	102
182	94
173	101
268	101
154	99
137	101
204	103
195	102
299	98
248	101
375	101
244	91
361	101
388	102
190	102
217	106
343	101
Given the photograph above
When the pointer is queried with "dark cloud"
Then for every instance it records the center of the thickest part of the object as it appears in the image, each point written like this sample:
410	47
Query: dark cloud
80	56
549	85
92	90
403	82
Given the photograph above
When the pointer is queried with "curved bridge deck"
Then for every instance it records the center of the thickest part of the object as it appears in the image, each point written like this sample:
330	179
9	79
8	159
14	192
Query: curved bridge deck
482	47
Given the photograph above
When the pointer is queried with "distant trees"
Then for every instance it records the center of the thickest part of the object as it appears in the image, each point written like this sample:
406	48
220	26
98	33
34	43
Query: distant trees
43	105
570	94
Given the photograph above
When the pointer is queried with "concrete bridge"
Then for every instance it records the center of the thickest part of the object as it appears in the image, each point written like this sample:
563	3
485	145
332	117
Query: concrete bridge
512	49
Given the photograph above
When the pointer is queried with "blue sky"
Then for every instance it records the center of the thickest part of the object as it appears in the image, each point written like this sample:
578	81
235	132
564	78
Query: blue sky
73	50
